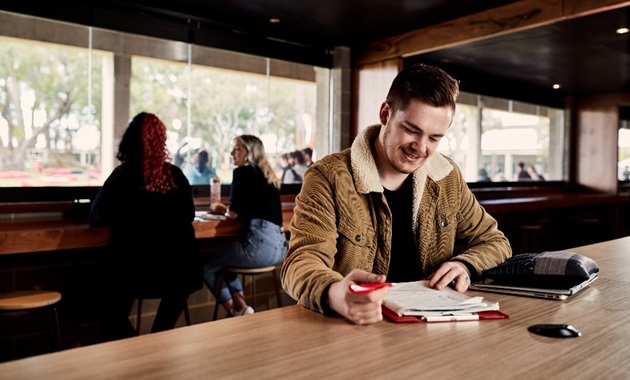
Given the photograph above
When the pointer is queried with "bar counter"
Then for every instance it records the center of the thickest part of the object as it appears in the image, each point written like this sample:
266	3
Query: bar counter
295	343
23	235
41	234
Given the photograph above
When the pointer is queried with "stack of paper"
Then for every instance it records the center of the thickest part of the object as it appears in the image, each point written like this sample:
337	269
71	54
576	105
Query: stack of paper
418	299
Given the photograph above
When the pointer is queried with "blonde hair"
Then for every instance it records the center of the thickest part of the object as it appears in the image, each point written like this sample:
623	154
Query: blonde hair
256	157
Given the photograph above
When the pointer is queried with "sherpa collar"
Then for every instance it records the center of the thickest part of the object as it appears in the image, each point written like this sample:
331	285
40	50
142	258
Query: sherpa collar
364	170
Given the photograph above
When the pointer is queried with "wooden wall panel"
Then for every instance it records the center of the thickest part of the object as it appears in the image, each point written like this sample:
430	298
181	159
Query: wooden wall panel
597	131
371	84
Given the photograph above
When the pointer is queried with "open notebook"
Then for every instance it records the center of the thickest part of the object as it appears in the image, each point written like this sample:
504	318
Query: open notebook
489	285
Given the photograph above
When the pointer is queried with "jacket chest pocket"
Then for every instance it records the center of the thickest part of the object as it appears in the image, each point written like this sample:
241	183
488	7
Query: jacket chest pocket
446	229
356	247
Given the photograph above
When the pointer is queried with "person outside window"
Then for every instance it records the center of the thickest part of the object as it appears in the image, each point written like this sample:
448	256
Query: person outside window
533	174
255	202
308	156
483	176
201	173
297	167
522	174
390	208
148	204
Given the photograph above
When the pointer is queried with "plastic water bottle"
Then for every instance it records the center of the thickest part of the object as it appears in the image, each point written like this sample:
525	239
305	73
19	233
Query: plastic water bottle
215	190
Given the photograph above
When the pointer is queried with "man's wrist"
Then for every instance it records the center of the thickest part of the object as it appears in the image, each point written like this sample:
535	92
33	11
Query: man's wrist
326	309
471	270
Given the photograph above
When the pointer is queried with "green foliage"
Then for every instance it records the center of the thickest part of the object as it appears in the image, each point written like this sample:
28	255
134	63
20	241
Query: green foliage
44	102
224	104
43	98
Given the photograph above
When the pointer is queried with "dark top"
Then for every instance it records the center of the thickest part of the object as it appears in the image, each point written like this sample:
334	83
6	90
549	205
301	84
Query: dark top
524	176
252	197
403	264
153	242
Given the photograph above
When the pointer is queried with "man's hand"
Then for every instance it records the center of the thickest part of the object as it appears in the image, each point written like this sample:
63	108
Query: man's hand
449	271
362	309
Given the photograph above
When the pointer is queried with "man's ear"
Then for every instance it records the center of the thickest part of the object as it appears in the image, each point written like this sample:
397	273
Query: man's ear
384	113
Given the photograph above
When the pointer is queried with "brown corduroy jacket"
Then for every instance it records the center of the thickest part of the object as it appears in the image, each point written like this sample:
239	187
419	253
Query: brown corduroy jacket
341	221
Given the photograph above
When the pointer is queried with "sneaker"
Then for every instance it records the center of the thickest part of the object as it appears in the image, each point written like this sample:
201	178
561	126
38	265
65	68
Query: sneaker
244	311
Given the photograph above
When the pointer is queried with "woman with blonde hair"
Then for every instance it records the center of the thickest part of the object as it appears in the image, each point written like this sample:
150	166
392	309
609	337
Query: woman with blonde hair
255	202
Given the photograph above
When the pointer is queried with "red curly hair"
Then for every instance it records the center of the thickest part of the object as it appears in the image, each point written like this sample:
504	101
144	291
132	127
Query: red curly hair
155	167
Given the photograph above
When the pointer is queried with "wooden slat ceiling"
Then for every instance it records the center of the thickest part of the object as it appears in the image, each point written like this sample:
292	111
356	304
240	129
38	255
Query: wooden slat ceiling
582	53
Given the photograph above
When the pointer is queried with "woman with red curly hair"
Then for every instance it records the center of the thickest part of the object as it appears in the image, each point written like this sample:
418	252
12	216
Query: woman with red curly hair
148	204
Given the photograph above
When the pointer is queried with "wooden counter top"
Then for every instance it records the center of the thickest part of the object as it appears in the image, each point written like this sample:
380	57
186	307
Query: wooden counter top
41	234
295	343
55	233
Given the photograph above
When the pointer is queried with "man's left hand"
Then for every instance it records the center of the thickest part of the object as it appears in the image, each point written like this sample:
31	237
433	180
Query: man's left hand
449	271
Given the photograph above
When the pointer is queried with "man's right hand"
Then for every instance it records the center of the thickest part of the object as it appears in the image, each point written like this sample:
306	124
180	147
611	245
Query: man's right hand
362	309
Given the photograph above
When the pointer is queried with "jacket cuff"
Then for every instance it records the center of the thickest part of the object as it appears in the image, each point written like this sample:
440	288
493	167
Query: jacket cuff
326	310
471	269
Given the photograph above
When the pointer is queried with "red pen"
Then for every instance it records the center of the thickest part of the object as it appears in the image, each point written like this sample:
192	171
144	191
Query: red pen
366	288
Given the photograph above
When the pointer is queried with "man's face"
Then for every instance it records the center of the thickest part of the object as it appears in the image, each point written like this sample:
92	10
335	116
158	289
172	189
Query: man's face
410	136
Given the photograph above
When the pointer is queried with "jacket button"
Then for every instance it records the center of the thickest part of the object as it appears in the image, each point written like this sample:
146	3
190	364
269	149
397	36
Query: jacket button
443	223
357	238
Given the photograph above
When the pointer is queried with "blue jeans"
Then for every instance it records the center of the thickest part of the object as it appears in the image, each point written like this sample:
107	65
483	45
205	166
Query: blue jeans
264	245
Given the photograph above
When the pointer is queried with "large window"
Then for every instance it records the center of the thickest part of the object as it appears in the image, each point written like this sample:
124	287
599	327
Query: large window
490	137
49	126
66	98
67	93
224	104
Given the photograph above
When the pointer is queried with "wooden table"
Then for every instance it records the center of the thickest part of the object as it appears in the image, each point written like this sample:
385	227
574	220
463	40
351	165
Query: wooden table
294	343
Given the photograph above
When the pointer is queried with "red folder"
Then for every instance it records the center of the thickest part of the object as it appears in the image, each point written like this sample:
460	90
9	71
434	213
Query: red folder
483	315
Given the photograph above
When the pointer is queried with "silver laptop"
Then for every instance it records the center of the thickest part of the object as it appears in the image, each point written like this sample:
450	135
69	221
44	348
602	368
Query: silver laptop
488	285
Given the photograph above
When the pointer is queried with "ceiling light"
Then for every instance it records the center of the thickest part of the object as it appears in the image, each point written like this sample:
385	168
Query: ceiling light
622	30
556	86
274	20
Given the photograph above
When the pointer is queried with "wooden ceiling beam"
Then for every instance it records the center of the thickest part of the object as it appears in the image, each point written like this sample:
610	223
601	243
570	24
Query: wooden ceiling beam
507	19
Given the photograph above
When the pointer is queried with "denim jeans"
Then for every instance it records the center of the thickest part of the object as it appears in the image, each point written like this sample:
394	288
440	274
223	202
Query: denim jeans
264	245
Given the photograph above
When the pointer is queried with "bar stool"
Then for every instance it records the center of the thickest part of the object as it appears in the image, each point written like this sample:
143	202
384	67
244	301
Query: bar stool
154	296
29	300
251	272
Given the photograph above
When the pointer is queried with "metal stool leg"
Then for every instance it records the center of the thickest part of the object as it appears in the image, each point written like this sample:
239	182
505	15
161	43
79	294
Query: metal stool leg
56	328
187	314
139	316
216	300
276	285
253	277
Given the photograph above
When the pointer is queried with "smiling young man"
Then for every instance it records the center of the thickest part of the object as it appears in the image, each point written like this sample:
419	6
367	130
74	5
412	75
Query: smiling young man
390	209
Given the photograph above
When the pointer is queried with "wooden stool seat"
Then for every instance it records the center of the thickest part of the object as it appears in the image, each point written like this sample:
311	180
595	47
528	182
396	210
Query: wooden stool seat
249	272
29	299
